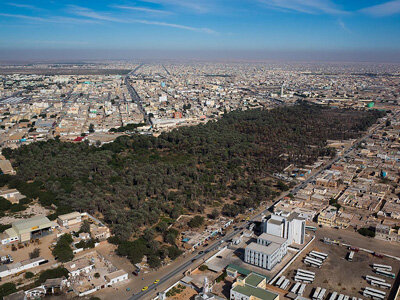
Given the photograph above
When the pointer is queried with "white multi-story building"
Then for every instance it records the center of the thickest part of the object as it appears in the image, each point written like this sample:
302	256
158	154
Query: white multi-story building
286	225
267	252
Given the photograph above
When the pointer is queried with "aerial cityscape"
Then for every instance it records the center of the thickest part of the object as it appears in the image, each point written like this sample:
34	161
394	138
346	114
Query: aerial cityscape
146	153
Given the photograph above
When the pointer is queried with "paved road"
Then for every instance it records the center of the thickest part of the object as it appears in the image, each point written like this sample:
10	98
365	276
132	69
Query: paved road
185	266
166	70
134	95
136	98
133	72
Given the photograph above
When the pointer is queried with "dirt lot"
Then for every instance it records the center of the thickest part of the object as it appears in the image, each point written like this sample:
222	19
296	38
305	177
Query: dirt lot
187	293
198	277
23	253
353	238
338	274
35	209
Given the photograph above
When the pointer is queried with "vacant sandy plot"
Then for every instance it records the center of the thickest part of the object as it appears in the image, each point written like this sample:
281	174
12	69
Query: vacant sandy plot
23	253
187	293
33	210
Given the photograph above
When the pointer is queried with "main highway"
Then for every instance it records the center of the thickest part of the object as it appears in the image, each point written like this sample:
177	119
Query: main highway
135	96
222	240
133	72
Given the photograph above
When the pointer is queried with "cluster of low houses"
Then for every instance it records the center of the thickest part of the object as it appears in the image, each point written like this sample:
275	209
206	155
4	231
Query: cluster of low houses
81	278
27	229
82	274
361	192
359	183
52	286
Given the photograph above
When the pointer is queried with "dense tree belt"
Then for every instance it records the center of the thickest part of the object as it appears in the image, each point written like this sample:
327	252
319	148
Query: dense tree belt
225	164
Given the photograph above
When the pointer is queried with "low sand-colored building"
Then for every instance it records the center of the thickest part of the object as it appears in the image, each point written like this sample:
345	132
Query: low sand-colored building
116	276
69	219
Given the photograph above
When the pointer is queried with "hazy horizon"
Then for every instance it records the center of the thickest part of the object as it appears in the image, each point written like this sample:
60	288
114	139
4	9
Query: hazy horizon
293	30
77	55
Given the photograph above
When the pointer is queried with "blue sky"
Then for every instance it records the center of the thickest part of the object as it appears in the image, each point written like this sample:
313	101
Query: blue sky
193	25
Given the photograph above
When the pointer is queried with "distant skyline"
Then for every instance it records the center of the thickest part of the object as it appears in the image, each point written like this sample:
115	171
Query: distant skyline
331	30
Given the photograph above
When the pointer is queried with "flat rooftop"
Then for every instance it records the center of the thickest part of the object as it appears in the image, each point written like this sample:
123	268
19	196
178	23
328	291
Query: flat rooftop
32	223
69	216
254	279
272	238
255	292
115	274
271	248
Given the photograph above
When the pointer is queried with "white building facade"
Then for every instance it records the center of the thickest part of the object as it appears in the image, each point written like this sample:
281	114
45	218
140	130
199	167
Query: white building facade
7	270
286	225
116	277
267	252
